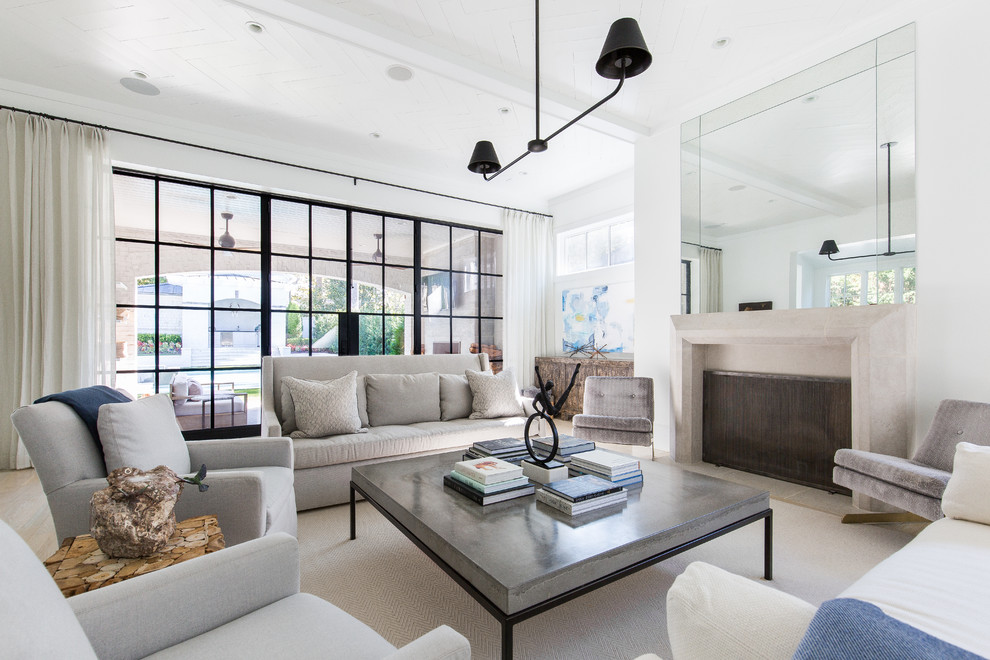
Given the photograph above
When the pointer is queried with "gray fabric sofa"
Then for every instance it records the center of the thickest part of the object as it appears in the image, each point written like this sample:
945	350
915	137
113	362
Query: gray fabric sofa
242	602
323	465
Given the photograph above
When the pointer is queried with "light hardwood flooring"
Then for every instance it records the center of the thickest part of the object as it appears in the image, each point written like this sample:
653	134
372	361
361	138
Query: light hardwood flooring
23	506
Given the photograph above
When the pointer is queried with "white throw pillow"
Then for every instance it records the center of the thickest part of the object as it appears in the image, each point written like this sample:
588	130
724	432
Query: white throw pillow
324	408
180	387
142	434
494	395
967	495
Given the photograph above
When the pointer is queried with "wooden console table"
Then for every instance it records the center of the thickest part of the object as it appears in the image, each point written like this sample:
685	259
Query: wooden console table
559	370
79	565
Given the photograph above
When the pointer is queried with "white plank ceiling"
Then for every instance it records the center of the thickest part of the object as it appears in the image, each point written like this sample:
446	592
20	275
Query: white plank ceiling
314	81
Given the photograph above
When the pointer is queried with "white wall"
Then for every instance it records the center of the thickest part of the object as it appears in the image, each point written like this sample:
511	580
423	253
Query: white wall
953	230
658	249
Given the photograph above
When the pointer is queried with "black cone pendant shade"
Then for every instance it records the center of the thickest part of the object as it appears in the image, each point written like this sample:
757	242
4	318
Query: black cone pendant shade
829	248
484	160
624	53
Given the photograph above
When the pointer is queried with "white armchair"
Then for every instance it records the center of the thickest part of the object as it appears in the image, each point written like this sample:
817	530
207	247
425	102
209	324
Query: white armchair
242	602
251	479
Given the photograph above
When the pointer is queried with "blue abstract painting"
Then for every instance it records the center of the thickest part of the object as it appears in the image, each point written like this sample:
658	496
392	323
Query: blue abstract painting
599	314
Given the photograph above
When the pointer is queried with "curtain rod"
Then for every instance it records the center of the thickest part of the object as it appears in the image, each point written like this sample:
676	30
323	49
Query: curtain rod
707	247
270	160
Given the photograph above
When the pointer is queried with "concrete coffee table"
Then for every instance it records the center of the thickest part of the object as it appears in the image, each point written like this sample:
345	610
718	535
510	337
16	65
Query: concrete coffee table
520	558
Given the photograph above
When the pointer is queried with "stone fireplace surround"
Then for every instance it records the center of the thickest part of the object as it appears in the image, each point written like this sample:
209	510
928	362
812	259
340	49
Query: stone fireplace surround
879	341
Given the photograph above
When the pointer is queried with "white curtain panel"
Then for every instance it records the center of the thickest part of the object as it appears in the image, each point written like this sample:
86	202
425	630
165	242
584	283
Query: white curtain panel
56	264
711	279
529	267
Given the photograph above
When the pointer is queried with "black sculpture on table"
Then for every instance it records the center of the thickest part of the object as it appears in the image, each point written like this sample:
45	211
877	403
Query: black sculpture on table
546	408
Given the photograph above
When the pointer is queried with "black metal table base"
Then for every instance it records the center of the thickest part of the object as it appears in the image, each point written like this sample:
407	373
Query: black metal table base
507	621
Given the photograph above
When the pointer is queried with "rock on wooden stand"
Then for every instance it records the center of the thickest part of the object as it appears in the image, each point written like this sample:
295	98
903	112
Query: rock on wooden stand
135	515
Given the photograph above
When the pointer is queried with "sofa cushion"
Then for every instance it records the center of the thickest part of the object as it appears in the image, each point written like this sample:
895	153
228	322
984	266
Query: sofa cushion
849	628
494	395
455	397
324	408
307	626
938	583
712	613
402	398
386	441
142	434
903	472
631	424
967	497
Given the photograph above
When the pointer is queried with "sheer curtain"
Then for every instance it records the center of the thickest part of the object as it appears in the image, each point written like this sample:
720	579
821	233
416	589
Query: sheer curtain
711	280
56	264
529	267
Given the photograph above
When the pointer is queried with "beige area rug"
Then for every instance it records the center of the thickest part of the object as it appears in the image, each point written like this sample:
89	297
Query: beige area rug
387	582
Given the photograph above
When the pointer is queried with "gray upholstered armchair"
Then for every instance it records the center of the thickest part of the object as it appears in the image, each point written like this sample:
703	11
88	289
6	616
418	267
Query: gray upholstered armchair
251	479
915	484
617	410
242	602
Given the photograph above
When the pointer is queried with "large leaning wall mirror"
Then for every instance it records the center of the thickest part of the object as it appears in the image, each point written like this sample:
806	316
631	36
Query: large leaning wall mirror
802	194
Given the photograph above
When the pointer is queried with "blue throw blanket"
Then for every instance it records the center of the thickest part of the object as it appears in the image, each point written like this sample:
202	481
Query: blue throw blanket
850	629
86	401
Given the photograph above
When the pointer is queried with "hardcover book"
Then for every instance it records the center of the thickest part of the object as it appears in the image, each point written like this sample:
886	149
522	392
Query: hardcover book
575	508
582	488
485	500
492	488
568	445
489	470
500	446
607	462
625	480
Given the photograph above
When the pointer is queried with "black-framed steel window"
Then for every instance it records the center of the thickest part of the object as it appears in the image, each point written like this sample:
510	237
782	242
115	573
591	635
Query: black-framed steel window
211	278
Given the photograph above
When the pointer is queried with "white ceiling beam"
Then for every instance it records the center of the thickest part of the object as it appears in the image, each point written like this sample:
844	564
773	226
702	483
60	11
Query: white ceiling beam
329	20
780	186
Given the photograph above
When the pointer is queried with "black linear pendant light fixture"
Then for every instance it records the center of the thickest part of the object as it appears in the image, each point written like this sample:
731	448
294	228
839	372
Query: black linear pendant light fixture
624	55
829	247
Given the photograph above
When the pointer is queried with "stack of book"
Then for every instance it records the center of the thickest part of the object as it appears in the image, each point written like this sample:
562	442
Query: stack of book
488	480
581	494
566	447
512	450
620	469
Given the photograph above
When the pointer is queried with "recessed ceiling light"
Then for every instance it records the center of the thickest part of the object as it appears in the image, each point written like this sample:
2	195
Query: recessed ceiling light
399	72
139	85
721	42
137	73
255	27
737	188
810	98
504	110
374	134
771	201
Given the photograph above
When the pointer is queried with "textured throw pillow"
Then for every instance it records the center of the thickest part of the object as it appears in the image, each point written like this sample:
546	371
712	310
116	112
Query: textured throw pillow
455	397
324	408
967	495
195	388
142	434
402	398
494	395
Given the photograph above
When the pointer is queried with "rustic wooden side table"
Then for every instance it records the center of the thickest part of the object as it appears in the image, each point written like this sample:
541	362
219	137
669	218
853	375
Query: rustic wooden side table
79	565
